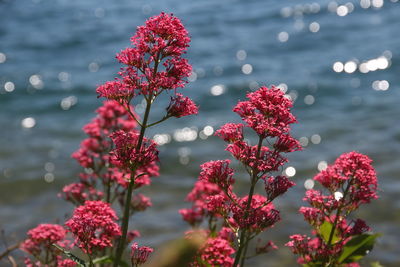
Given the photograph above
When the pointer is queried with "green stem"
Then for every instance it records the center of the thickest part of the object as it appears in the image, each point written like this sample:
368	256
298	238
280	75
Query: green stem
243	235
339	210
125	218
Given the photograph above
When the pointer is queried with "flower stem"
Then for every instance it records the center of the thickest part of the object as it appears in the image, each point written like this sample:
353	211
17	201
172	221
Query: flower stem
125	218
339	210
243	235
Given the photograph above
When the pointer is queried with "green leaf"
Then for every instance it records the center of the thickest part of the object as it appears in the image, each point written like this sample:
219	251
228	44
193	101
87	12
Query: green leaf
376	264
325	231
105	259
313	264
357	247
79	261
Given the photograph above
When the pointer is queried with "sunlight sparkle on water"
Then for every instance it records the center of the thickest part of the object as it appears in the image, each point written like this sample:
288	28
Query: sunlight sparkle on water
28	122
247	69
342	11
314	27
185	135
9	87
208	130
3	58
241	55
309	100
218	89
68	102
338	66
315	139
309	184
283	37
283	87
192	77
350	66
162	139
365	3
377	3
290	171
303	141
338	195
64	76
322	165
380	85
49	166
94	67
36	81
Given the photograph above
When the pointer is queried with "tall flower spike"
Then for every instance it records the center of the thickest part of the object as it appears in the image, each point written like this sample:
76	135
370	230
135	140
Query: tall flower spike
155	62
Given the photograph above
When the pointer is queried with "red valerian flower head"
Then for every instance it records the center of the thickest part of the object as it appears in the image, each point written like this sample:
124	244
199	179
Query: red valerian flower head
154	63
276	186
40	245
313	216
261	249
217	172
286	143
267	111
181	106
94	226
115	90
140	202
78	193
260	216
216	252
354	170
139	255
193	216
266	161
43	237
231	132
359	227
127	154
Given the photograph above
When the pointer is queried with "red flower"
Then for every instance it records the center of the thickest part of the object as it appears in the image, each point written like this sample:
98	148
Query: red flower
94	226
139	255
181	106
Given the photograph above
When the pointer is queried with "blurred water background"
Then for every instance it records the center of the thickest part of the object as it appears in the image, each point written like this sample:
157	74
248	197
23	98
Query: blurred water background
340	61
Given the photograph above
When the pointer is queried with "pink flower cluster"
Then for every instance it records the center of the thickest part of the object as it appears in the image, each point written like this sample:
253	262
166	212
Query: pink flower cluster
139	255
40	245
154	64
216	252
349	182
181	106
267	113
112	120
94	226
129	155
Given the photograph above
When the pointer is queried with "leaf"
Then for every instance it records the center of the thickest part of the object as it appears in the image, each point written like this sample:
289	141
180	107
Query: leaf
313	264
71	256
105	259
357	247
325	231
376	264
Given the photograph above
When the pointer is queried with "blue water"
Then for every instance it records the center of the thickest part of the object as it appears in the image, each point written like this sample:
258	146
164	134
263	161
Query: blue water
53	54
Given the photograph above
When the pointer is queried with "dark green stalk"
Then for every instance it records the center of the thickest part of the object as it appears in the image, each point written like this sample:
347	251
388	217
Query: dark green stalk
243	234
125	218
339	210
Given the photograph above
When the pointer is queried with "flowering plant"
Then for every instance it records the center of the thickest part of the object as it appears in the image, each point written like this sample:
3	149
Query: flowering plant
349	182
233	221
118	159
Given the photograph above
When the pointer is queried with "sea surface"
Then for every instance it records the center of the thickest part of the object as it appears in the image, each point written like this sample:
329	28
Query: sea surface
339	61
